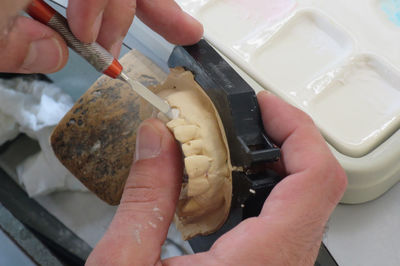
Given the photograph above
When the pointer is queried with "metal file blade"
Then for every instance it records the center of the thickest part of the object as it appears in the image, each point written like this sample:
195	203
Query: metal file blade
150	97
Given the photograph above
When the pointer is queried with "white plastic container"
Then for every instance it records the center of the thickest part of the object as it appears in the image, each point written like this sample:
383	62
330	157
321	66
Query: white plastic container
339	61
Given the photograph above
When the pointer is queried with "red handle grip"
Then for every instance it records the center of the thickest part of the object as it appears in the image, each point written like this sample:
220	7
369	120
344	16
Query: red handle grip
40	11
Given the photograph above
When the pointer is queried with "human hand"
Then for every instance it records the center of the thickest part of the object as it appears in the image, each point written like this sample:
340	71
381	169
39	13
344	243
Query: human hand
288	230
27	46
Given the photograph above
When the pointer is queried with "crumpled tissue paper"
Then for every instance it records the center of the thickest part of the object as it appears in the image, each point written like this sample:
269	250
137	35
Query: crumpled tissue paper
34	108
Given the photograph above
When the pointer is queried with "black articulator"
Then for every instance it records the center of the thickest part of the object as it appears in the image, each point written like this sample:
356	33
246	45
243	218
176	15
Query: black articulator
249	146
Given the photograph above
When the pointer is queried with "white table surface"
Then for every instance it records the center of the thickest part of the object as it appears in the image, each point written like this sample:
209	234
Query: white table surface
366	234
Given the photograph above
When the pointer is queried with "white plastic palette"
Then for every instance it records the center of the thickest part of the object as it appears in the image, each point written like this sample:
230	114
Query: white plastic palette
339	61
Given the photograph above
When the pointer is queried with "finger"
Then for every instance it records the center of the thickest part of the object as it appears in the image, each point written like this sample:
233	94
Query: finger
302	145
117	19
313	170
166	18
85	18
10	9
141	223
31	47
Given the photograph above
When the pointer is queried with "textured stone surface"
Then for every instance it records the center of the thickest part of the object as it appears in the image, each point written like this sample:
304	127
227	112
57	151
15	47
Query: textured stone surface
96	138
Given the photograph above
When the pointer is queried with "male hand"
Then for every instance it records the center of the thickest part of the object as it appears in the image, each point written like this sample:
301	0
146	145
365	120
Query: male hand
27	46
288	230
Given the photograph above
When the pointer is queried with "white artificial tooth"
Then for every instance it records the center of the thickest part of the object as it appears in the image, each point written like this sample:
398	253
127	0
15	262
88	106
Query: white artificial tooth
193	147
186	133
197	165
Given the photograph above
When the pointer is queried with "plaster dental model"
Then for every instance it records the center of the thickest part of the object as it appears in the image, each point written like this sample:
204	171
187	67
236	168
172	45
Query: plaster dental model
205	198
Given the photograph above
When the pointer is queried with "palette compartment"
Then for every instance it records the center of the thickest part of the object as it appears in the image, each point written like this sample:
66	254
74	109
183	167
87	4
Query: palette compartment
357	129
238	22
304	48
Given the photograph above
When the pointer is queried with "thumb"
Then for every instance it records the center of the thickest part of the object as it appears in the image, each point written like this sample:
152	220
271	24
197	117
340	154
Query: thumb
31	47
141	223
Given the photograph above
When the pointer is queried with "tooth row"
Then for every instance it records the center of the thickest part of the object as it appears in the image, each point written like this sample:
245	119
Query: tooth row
197	165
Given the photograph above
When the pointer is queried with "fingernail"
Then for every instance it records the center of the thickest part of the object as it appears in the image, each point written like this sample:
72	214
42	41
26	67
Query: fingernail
96	26
116	47
148	142
43	56
264	92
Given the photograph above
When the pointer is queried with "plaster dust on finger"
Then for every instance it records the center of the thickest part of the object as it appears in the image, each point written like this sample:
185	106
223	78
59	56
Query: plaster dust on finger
152	224
157	213
136	233
9	12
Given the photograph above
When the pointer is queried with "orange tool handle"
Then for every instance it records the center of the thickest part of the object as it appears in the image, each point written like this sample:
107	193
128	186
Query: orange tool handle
40	11
96	55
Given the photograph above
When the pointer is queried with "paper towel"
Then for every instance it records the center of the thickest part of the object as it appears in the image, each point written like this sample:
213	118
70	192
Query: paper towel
34	108
8	128
33	105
